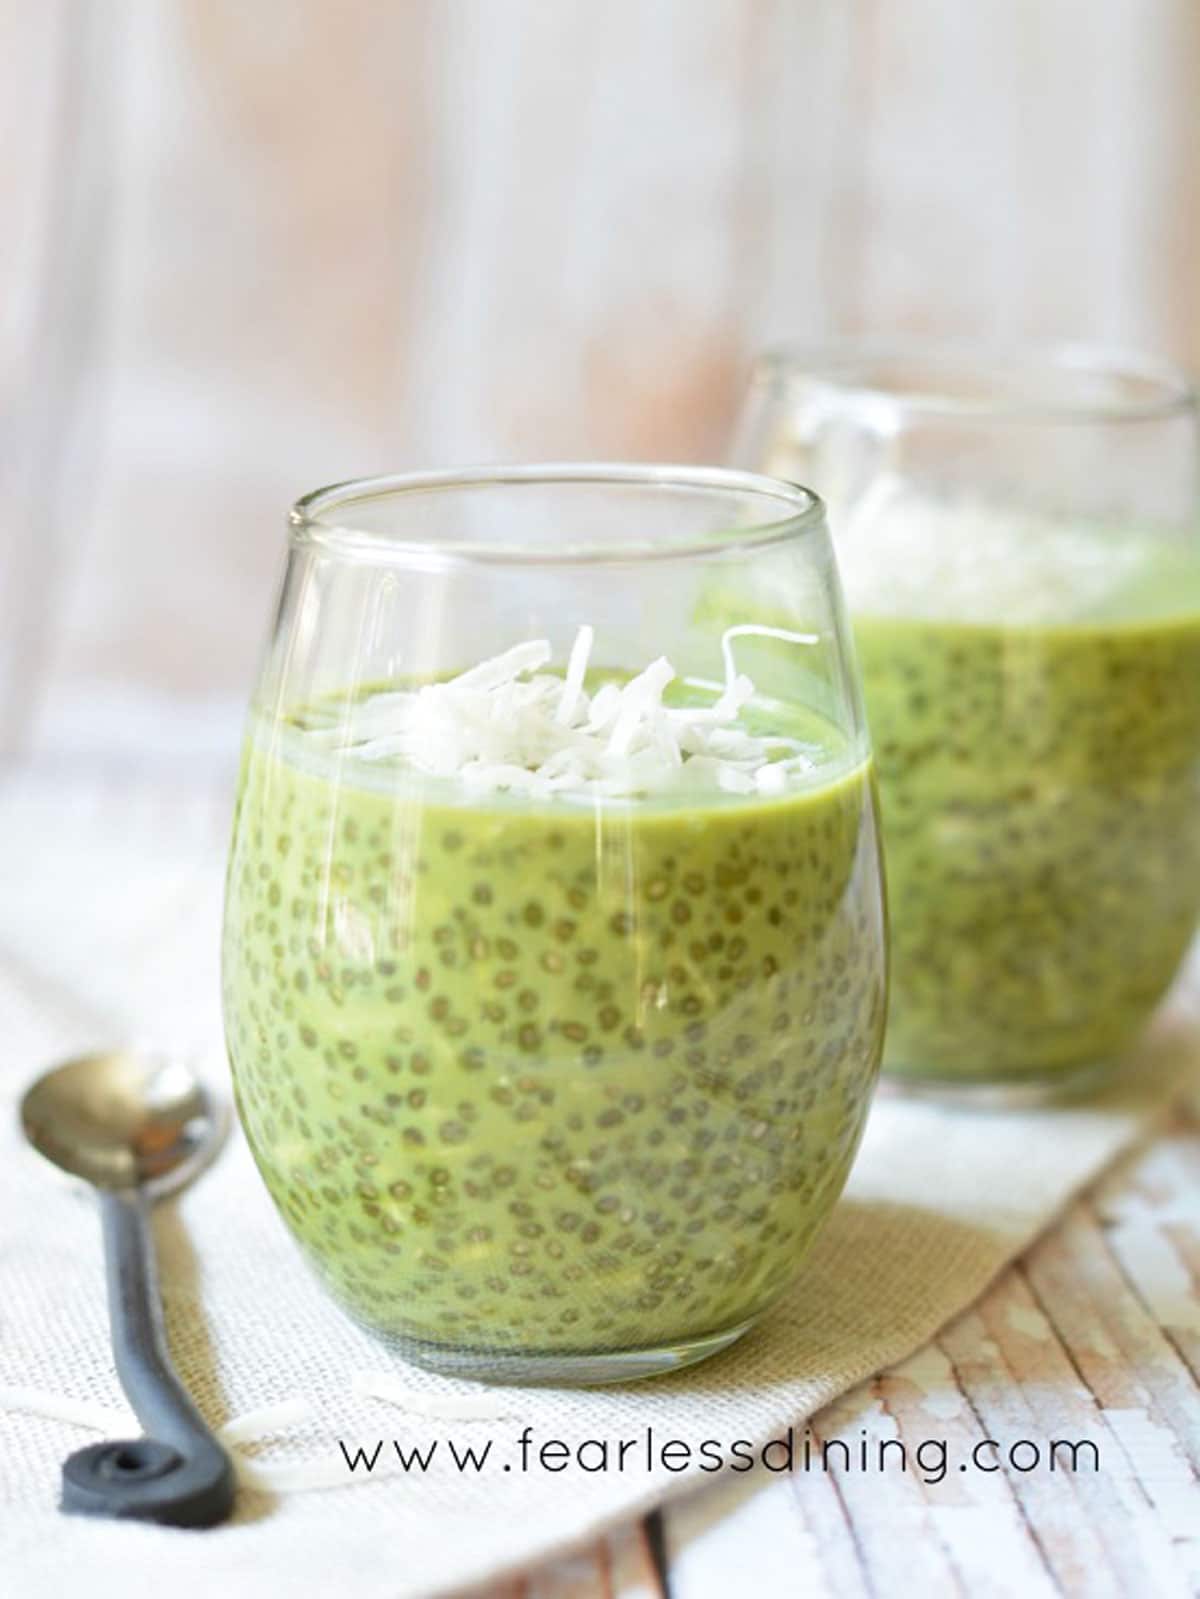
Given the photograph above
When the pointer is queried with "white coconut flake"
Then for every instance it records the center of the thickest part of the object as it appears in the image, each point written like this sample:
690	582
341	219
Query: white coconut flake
905	552
480	1406
576	670
266	1421
771	779
641	704
755	630
61	1407
504	668
605	706
506	725
734	781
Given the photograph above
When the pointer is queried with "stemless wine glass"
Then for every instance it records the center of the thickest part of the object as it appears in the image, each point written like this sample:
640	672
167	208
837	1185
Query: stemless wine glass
1017	532
554	965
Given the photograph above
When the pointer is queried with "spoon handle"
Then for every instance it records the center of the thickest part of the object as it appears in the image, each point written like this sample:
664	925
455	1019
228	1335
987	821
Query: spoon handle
178	1473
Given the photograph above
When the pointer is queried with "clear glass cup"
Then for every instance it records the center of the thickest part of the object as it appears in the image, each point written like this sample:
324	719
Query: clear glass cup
554	980
1018	537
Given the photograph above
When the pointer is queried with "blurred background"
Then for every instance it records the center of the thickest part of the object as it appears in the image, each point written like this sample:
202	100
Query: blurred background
250	249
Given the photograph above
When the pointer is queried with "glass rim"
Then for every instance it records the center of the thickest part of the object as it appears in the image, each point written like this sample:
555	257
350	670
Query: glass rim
843	366
310	521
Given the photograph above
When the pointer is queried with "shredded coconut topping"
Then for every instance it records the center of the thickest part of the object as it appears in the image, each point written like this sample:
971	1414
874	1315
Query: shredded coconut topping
906	553
507	725
478	1405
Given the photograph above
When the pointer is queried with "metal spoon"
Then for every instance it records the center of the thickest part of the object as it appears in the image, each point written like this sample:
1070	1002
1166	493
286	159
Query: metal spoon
136	1130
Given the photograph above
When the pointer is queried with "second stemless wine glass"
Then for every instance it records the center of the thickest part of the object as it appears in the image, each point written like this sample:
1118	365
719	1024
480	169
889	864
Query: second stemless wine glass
1018	536
554	962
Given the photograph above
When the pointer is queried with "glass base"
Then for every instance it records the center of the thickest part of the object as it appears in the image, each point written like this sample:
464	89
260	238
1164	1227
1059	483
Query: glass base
1060	1085
566	1369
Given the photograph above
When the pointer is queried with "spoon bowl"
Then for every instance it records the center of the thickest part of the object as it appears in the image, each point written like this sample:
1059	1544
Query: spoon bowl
119	1120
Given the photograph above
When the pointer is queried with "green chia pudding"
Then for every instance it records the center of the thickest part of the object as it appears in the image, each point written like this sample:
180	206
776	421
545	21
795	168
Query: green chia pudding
1034	699
536	1073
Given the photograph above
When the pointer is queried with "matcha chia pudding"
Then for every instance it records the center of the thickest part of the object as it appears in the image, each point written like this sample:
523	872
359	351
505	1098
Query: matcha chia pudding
555	998
1018	533
1033	687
